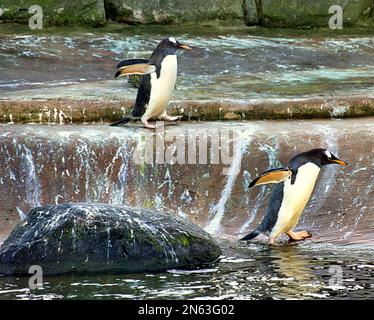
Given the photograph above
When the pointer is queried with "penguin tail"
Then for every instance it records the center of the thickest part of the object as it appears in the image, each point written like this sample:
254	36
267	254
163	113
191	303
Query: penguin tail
251	235
120	122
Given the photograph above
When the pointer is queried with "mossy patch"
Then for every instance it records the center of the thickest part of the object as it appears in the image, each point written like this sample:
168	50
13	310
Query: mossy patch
56	12
67	112
184	240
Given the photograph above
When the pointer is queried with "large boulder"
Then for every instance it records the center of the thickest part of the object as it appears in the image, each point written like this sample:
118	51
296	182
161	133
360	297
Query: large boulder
104	238
306	13
174	11
56	12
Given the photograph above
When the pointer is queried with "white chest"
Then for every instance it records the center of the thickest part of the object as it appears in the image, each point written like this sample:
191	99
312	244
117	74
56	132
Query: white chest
296	197
162	87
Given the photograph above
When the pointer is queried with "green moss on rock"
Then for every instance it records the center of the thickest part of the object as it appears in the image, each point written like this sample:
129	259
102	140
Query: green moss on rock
56	12
252	11
66	112
174	11
184	240
306	14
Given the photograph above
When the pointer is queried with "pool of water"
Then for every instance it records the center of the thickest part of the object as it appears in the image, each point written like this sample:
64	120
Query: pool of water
245	271
235	66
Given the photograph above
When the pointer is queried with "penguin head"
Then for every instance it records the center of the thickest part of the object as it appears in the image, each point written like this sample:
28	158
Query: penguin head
171	45
325	157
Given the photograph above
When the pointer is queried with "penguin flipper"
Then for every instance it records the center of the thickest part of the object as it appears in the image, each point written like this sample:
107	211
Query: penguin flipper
143	97
130	62
271	176
140	68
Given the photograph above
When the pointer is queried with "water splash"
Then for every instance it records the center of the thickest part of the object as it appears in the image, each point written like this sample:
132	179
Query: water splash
218	210
32	184
118	190
21	214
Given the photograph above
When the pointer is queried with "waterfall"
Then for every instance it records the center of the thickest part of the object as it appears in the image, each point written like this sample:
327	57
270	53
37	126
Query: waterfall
32	184
219	209
272	154
119	187
21	214
328	173
106	184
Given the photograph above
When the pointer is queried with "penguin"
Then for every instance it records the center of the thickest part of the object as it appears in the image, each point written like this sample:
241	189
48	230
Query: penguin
294	187
157	84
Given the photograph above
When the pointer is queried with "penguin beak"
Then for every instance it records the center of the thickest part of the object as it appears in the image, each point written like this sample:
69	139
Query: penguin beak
184	47
338	161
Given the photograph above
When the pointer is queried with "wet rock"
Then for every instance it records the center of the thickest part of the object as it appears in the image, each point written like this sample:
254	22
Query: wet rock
56	12
302	13
143	11
60	111
231	116
252	12
104	238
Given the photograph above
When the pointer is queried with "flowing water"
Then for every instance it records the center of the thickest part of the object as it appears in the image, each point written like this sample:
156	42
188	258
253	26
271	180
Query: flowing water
219	67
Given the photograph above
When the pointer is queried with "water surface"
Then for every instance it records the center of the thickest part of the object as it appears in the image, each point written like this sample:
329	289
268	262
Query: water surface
219	67
252	271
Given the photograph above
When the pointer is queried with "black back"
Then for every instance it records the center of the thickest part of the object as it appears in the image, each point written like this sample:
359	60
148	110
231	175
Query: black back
271	214
143	96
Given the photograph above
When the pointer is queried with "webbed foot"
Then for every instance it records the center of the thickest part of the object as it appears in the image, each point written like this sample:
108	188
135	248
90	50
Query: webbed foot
169	118
298	236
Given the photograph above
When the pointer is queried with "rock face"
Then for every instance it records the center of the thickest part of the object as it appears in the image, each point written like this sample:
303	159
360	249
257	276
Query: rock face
56	12
174	11
305	13
252	11
271	13
104	238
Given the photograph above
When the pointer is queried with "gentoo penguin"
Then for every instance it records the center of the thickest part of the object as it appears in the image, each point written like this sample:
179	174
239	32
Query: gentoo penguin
157	85
295	185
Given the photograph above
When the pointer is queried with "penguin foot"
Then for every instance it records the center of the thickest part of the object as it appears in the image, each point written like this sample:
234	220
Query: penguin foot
271	241
298	236
169	118
147	125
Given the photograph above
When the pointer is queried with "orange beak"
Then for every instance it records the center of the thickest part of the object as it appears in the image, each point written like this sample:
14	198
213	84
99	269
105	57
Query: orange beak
340	162
185	47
